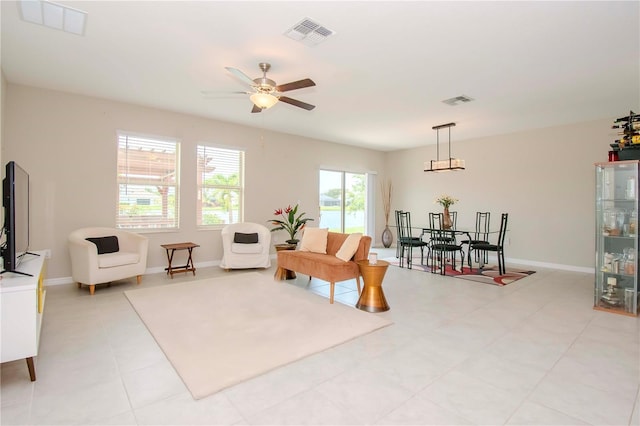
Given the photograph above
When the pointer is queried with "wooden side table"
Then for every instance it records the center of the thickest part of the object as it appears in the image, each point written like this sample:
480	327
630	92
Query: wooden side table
281	273
372	298
171	249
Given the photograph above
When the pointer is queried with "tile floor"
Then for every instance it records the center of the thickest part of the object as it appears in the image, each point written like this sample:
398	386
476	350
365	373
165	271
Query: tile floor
533	352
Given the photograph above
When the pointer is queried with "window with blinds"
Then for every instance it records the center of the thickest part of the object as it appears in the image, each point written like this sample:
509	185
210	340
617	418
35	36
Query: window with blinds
220	183
148	179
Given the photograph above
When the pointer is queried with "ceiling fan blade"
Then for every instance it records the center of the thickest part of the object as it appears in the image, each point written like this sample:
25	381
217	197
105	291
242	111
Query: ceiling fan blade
242	76
213	93
256	109
297	103
307	82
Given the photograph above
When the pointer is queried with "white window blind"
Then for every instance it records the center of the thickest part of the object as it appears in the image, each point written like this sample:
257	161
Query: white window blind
220	177
148	179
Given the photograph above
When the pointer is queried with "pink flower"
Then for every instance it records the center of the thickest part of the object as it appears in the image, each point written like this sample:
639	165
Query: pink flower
291	221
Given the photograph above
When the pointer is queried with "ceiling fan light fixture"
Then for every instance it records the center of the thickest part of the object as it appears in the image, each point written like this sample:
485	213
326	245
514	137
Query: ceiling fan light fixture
263	100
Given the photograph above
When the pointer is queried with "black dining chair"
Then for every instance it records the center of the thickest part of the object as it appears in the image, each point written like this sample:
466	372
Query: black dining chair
481	235
407	241
443	248
498	247
436	222
399	234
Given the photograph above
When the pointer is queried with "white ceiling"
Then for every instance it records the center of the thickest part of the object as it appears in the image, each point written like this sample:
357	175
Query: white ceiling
381	78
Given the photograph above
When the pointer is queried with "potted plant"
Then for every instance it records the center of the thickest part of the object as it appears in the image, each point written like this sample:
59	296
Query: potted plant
291	221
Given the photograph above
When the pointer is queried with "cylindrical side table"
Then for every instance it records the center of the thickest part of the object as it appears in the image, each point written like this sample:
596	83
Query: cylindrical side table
281	273
372	298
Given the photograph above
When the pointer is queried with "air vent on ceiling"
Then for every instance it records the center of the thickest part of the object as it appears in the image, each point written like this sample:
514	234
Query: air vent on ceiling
309	32
53	15
458	100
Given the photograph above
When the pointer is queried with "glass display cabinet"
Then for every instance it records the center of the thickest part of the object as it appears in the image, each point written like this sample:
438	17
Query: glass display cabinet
616	283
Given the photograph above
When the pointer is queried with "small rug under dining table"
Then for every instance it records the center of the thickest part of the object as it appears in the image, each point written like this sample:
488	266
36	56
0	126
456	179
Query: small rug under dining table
488	274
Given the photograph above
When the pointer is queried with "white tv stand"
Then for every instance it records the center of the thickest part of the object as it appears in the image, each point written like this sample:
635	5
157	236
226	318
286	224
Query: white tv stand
21	308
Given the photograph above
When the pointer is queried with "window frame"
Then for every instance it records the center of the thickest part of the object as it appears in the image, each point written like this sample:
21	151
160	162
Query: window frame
201	185
166	222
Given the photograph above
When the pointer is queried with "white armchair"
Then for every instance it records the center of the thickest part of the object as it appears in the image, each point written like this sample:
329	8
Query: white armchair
122	258
248	254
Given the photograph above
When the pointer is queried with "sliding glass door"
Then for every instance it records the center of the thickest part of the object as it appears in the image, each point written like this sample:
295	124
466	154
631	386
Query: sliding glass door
343	201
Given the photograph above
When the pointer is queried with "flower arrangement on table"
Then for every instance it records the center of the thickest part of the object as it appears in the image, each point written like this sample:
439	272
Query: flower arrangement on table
291	221
446	200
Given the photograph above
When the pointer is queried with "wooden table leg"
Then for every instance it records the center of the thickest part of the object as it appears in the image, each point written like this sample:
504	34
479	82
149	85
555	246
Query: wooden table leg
190	262
284	274
170	259
32	369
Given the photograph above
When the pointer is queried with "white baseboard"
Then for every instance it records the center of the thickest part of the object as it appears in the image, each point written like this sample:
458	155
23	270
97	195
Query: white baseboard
546	265
508	260
154	270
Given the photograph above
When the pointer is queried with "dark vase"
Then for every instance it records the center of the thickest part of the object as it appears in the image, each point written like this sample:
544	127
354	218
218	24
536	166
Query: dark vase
294	241
387	237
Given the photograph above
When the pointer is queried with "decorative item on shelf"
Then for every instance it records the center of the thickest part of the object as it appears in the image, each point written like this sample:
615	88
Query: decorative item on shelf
628	300
613	222
628	146
611	295
445	201
290	222
629	259
443	165
387	235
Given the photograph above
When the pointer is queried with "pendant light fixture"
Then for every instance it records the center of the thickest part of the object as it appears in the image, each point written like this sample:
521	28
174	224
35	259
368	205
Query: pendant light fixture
450	163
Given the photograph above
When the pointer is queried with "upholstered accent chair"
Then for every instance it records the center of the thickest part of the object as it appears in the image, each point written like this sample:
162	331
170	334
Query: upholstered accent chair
245	245
102	255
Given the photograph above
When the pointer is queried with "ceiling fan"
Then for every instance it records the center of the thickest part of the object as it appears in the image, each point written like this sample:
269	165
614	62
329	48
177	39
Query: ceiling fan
266	93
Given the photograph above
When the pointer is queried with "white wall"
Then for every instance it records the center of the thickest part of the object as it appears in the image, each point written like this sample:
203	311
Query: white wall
543	178
67	143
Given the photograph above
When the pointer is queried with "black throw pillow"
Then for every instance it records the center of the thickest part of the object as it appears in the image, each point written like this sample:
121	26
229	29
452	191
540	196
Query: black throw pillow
105	244
241	238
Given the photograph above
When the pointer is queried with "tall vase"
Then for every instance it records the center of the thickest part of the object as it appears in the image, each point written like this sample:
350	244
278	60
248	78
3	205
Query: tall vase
387	237
446	219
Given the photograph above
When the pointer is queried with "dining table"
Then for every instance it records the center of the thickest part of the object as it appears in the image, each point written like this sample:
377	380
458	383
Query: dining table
454	233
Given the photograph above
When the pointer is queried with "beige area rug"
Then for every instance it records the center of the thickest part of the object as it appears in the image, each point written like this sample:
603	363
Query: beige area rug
221	331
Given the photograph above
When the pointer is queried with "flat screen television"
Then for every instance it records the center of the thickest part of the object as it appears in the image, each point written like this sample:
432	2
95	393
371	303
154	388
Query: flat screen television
15	200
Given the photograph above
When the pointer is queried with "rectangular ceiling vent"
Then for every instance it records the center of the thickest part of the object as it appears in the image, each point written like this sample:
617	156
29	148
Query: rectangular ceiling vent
458	100
309	32
53	15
